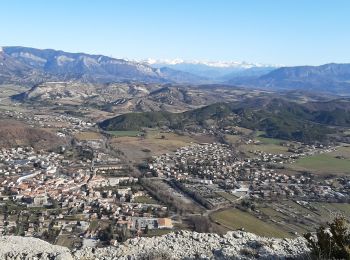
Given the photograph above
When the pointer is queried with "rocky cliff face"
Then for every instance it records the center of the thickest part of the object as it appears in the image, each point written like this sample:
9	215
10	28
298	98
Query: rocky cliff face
179	245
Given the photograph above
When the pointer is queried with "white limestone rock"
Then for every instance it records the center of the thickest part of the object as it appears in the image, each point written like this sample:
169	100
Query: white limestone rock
15	247
178	245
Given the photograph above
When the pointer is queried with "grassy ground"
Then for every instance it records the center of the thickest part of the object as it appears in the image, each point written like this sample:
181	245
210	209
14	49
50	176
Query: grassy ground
228	196
93	224
268	148
67	240
157	232
139	148
292	217
83	136
343	151
125	133
268	145
232	138
145	199
323	164
243	130
328	210
274	141
235	219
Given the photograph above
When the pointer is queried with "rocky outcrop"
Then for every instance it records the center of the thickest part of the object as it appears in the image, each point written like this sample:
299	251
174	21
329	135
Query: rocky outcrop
25	248
179	245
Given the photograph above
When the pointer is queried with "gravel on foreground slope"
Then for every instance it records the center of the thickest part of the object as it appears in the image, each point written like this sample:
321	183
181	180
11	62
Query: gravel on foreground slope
178	245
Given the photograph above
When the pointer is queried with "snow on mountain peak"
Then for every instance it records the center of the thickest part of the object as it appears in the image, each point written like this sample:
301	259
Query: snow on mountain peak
151	61
217	64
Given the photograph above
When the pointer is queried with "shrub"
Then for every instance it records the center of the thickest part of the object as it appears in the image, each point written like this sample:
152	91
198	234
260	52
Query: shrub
331	241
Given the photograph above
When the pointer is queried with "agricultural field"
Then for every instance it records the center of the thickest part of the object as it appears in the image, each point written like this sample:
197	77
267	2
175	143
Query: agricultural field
343	151
154	142
266	141
294	217
157	232
337	162
243	130
281	219
228	196
85	136
232	138
332	209
145	200
267	145
125	133
267	148
234	219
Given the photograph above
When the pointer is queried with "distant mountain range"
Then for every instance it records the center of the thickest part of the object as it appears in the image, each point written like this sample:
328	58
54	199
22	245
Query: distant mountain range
213	70
331	78
30	66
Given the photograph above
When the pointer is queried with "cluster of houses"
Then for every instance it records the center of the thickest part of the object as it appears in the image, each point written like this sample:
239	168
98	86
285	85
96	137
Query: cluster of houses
68	195
72	124
202	160
199	168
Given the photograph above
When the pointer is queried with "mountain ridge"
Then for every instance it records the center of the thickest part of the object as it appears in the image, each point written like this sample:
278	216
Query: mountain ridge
56	65
331	78
31	66
215	70
278	117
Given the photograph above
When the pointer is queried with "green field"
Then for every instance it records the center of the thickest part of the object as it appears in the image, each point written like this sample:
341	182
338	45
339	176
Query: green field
292	217
329	209
267	145
157	232
156	142
124	133
267	148
145	199
235	219
265	140
323	163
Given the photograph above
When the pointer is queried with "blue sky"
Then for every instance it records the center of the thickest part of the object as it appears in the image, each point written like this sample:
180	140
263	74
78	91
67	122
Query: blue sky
290	32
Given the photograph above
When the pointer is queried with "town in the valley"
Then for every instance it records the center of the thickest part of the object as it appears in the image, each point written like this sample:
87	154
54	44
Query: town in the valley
86	193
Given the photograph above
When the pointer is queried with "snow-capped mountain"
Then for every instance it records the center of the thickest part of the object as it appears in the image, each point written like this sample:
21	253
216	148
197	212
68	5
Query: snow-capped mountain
211	69
31	66
217	64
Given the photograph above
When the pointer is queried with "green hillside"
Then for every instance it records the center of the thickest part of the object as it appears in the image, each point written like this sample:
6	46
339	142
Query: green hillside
279	118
